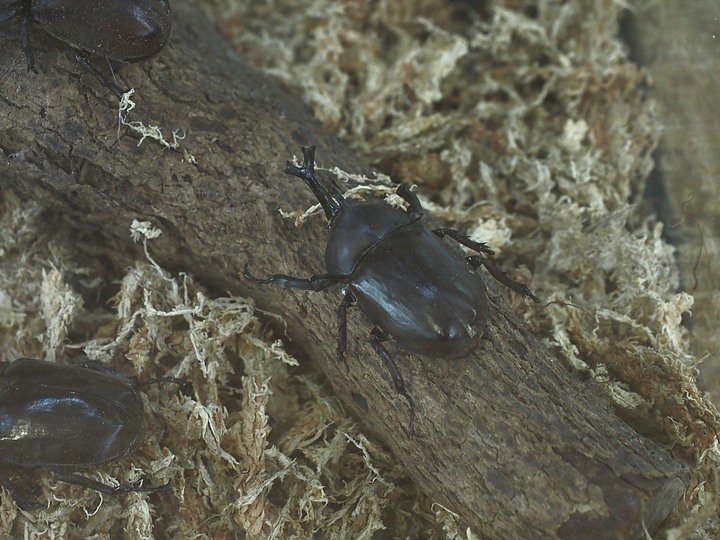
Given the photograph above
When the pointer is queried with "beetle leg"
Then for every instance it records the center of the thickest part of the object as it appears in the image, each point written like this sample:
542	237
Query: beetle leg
25	40
347	301
81	59
21	500
415	209
480	247
314	283
478	260
84	481
495	271
376	338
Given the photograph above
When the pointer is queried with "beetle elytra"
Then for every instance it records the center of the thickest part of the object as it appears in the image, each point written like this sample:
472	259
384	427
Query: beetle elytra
413	287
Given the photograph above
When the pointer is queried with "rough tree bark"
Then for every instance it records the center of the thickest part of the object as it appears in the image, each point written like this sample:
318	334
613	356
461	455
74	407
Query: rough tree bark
509	441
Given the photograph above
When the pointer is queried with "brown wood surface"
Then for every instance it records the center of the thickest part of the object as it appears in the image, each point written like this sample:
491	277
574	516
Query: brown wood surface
509	440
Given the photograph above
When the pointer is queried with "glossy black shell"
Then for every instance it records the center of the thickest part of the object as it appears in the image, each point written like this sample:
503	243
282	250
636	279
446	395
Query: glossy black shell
421	293
356	229
128	30
53	415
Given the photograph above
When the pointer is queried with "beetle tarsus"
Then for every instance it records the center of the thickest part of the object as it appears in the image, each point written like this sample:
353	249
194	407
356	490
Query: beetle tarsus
376	339
478	260
480	247
495	271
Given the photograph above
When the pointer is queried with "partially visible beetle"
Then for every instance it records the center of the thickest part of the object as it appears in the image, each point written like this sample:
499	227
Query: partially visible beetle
411	285
125	30
61	417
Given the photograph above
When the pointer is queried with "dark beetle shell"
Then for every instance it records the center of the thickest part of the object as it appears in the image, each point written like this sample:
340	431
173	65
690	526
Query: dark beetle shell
355	230
53	415
441	314
128	30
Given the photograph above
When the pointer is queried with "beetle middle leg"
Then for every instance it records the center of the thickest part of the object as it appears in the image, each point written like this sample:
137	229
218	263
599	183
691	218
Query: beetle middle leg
478	260
376	339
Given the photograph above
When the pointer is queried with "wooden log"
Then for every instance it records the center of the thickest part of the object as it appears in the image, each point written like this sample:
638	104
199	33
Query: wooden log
509	440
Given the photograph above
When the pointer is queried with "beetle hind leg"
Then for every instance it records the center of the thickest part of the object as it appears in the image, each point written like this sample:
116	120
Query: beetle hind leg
313	283
495	271
478	260
347	302
376	339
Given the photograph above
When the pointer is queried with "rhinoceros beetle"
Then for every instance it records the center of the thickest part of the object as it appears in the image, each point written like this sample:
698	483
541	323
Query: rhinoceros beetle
125	30
61	417
415	289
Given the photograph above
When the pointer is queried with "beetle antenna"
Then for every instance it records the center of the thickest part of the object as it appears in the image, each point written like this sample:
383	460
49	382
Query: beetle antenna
331	202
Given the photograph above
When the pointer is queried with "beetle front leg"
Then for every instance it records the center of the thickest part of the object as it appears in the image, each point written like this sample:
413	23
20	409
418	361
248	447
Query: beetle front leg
347	301
415	209
376	338
84	481
314	283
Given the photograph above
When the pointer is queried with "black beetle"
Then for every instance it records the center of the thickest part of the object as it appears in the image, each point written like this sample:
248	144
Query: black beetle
411	285
125	30
60	417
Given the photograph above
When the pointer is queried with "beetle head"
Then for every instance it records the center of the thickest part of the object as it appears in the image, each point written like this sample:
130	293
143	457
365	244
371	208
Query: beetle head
354	228
331	203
